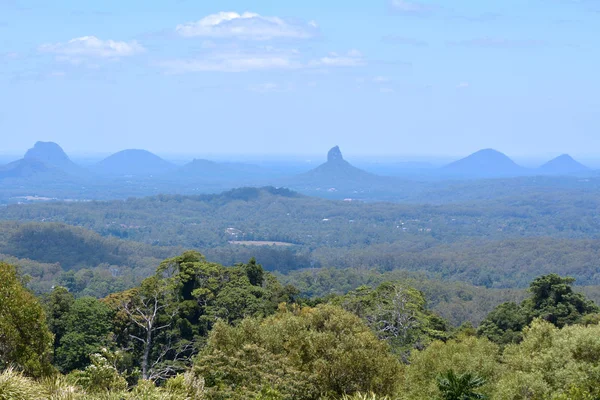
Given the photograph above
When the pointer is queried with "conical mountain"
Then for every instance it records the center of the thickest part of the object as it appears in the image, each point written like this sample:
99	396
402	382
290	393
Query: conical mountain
563	165
485	163
134	162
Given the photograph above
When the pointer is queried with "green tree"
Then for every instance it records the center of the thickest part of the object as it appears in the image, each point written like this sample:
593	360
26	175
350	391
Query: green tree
396	313
552	363
151	310
300	353
25	340
504	324
463	355
58	305
88	325
551	298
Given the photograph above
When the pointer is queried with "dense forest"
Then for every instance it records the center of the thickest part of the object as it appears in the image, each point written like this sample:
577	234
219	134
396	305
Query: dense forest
496	244
195	329
292	297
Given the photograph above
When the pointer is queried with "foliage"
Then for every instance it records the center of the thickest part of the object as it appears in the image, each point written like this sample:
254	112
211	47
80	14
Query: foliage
14	386
397	314
99	376
501	244
58	304
362	396
504	324
460	387
25	340
552	299
464	355
456	302
165	320
87	328
302	353
553	362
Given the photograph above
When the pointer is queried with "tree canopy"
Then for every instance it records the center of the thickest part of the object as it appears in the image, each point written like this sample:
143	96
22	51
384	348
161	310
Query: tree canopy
24	336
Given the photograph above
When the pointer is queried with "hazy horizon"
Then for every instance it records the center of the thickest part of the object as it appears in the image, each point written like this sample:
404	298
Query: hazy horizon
428	160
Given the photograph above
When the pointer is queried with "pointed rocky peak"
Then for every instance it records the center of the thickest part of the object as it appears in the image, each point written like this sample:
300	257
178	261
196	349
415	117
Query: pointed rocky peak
49	153
335	155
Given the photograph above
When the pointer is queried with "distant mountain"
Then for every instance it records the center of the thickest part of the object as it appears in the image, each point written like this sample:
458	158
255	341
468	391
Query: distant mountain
49	153
134	162
45	160
28	169
563	165
337	173
487	163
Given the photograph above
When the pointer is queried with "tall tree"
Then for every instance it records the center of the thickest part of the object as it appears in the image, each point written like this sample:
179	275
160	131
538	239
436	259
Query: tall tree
152	309
552	299
58	305
25	340
396	313
87	329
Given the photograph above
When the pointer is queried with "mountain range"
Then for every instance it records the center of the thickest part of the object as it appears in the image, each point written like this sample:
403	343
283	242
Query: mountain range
139	172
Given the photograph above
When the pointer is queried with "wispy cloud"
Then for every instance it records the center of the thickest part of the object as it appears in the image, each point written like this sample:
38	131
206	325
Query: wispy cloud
409	7
259	60
250	26
463	85
90	47
229	62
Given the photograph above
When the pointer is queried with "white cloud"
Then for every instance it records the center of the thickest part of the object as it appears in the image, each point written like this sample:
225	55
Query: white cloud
247	26
463	85
75	50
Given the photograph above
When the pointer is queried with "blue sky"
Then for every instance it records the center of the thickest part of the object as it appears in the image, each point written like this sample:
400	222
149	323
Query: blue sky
377	77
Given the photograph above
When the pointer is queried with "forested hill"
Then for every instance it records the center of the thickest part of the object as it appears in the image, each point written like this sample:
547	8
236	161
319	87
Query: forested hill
54	253
494	244
271	214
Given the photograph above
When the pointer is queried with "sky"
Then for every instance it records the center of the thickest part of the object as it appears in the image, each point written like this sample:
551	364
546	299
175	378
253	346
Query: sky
376	77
